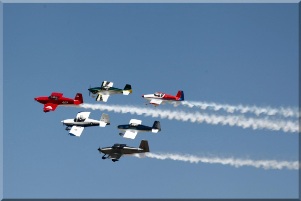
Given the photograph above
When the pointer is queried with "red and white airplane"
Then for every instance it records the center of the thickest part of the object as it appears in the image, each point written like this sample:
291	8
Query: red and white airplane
56	99
159	97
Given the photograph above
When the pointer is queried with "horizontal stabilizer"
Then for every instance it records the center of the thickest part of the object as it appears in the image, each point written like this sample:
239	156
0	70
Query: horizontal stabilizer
102	124
126	92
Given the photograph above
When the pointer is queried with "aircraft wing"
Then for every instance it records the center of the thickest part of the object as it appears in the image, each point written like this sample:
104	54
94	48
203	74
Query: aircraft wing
130	134
49	106
135	121
83	115
103	98
156	101
106	84
115	155
76	130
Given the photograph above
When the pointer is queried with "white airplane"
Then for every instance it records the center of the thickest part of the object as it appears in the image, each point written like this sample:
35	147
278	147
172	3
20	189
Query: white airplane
131	130
82	120
107	89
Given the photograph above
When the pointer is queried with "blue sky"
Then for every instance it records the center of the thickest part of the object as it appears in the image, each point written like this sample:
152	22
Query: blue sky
224	53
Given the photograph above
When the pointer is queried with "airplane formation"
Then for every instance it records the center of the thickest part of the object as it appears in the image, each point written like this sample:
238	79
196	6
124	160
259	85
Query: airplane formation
76	126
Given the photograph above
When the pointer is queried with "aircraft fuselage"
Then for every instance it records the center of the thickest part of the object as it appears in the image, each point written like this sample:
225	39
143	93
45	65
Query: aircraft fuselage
140	128
120	150
86	123
58	101
105	91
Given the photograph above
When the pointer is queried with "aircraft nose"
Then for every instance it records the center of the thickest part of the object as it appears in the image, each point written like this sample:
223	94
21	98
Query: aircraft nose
142	96
35	99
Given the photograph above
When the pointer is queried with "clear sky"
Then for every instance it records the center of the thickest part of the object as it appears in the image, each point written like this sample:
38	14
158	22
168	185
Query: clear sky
223	53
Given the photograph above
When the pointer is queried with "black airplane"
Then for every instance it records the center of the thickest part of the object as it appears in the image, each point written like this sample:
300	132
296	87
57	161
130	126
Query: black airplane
131	130
117	150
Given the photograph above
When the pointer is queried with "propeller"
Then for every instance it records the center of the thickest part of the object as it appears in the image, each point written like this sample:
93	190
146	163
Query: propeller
89	90
92	95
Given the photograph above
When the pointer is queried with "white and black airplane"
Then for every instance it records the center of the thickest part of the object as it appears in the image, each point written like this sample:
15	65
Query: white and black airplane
76	126
131	130
117	150
106	89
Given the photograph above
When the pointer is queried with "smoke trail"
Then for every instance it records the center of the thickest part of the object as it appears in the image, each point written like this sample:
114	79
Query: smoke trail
286	112
231	120
236	162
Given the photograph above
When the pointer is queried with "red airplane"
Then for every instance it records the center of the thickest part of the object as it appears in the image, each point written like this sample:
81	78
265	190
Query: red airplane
159	97
56	98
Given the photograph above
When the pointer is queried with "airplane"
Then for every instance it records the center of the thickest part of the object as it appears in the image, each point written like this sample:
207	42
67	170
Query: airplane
117	150
107	89
56	98
76	126
132	129
159	97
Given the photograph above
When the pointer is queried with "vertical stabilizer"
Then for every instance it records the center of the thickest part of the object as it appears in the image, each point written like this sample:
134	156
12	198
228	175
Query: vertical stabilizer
79	97
127	89
104	120
144	145
180	95
156	127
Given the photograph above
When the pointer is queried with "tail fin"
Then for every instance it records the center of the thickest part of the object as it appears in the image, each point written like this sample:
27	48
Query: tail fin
144	145
156	127
79	97
104	120
180	95
127	89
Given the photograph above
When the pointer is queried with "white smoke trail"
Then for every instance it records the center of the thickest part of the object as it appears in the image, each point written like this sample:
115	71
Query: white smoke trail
231	120
286	112
236	162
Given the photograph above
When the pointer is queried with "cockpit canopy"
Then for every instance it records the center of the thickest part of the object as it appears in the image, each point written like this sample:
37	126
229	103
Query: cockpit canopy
158	94
79	119
53	97
119	145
